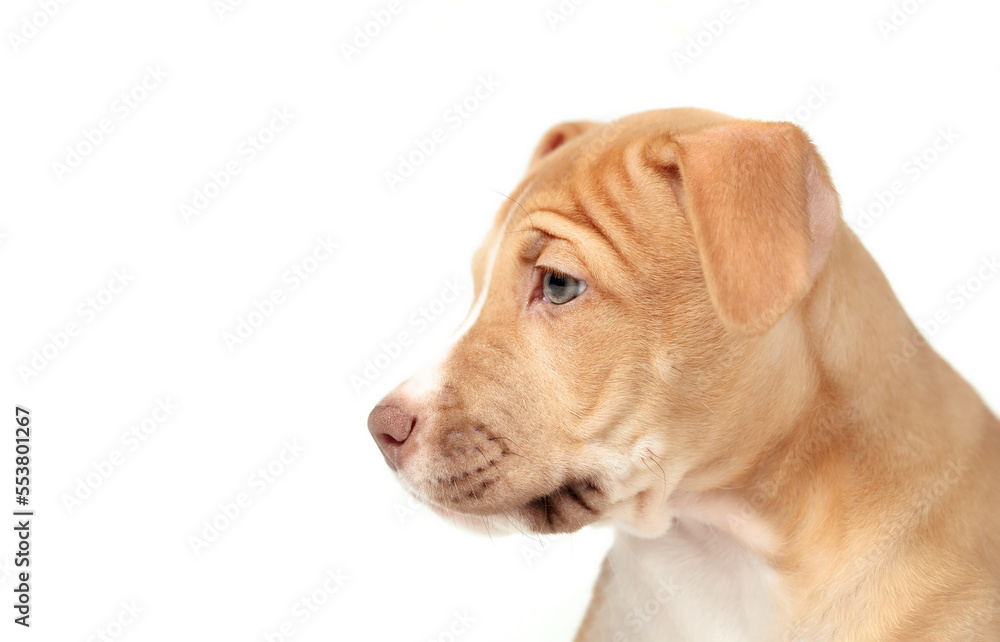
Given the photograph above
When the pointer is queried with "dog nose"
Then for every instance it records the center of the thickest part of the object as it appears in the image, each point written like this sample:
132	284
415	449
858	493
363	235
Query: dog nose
391	426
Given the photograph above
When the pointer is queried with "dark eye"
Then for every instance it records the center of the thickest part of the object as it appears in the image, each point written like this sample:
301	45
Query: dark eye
560	288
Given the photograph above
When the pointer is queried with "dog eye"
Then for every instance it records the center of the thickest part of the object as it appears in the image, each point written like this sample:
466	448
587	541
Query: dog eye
560	288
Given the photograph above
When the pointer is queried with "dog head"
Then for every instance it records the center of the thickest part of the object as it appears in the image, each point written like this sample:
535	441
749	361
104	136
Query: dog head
635	329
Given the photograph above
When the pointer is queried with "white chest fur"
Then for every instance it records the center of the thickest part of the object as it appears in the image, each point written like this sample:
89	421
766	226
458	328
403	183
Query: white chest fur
693	583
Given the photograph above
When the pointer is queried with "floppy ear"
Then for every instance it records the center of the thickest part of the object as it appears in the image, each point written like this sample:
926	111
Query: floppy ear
556	138
763	211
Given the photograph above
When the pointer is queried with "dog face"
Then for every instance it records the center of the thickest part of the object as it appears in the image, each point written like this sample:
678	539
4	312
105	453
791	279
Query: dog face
634	321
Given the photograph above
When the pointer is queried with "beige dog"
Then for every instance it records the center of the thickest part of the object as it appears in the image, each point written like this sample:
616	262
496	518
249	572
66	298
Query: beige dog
675	332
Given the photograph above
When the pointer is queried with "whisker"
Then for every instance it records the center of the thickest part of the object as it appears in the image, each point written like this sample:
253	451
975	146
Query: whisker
511	452
656	460
514	524
495	467
515	201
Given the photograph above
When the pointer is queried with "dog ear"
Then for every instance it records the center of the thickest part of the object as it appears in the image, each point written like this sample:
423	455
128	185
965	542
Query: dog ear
763	212
557	137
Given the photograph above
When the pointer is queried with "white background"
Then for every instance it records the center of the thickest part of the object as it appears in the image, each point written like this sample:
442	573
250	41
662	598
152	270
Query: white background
409	574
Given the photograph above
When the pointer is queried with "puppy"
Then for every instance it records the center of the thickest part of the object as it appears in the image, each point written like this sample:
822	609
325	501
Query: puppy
675	332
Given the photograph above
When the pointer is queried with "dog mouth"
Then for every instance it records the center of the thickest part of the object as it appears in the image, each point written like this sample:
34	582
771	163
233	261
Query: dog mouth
473	477
569	508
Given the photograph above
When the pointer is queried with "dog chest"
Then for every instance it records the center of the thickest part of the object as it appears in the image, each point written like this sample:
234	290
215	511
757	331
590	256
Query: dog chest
693	583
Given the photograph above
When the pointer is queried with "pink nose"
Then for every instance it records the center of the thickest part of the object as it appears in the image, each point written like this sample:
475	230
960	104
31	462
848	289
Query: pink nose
391	426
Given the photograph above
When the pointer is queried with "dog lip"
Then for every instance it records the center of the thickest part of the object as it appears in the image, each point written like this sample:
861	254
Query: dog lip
389	463
567	508
545	500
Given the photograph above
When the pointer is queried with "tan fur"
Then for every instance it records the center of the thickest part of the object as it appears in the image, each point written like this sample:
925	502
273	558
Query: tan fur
734	362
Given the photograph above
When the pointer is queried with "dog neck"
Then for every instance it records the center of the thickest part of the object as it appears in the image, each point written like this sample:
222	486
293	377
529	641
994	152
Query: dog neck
797	513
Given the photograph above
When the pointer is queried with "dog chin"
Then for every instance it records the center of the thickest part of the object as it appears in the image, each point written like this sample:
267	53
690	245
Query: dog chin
499	524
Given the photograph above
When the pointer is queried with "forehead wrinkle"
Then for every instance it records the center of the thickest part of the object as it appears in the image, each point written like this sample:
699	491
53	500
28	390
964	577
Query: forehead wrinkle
577	216
599	191
554	226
